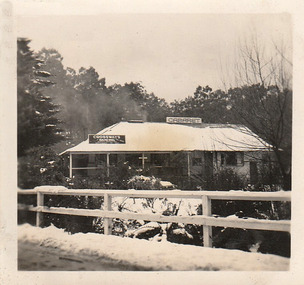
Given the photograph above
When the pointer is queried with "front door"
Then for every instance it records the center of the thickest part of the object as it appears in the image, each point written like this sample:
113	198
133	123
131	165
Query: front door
208	165
253	172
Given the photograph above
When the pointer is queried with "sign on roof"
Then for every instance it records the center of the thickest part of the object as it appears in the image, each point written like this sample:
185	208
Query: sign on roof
183	120
107	139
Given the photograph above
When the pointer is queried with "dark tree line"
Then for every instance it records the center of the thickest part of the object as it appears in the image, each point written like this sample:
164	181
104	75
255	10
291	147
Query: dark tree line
38	123
59	106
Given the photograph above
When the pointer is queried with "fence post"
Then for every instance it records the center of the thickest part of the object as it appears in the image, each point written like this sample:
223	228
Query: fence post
207	230
107	221
40	203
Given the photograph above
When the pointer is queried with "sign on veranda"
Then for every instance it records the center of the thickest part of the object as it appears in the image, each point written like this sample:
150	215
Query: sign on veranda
107	139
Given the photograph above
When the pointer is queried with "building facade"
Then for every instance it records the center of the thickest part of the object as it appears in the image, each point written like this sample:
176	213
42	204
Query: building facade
180	148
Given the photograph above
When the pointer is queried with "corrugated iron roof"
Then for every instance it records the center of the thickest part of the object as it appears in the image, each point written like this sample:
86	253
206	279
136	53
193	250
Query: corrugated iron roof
153	137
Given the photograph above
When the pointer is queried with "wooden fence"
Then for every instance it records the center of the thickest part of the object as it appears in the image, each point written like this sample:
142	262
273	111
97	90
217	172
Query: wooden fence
206	219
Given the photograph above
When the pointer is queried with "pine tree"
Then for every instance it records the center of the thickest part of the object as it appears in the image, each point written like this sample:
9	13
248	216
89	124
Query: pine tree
37	121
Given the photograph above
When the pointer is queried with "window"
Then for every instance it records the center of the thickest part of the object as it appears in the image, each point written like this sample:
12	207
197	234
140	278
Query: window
232	158
133	159
160	159
80	172
113	159
80	160
196	161
223	159
240	156
101	160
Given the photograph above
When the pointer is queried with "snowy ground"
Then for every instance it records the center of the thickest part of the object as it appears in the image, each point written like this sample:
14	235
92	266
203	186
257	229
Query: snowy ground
33	257
145	254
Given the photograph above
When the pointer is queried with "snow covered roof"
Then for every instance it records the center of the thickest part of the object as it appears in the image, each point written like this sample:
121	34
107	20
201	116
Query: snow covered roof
151	136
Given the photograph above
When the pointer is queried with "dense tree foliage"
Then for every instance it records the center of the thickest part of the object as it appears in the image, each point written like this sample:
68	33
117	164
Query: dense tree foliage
267	111
212	107
37	121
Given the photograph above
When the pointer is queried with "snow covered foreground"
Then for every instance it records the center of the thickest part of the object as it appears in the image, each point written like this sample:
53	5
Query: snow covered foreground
152	255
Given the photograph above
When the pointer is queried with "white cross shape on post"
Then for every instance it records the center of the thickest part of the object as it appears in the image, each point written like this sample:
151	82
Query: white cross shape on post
143	157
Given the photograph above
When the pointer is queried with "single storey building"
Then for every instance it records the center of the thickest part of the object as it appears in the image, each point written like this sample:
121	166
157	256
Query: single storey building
179	147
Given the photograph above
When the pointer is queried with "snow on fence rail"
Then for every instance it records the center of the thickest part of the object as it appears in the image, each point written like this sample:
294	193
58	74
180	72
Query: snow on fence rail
206	219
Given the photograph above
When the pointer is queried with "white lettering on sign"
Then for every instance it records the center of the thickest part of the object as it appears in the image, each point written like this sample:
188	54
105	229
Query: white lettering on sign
108	139
183	120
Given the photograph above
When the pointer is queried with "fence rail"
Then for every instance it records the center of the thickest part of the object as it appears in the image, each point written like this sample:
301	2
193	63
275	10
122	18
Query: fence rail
206	219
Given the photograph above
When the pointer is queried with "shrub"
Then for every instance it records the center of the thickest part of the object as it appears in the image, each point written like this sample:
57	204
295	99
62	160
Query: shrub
140	182
40	166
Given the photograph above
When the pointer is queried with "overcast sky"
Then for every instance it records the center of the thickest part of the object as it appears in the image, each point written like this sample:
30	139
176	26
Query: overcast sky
170	54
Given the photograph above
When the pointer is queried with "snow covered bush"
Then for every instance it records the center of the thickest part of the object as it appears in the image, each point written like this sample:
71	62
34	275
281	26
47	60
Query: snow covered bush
40	166
71	223
226	179
140	182
247	240
156	231
252	240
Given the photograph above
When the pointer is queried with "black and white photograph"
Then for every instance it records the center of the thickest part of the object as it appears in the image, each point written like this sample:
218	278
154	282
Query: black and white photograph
152	141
